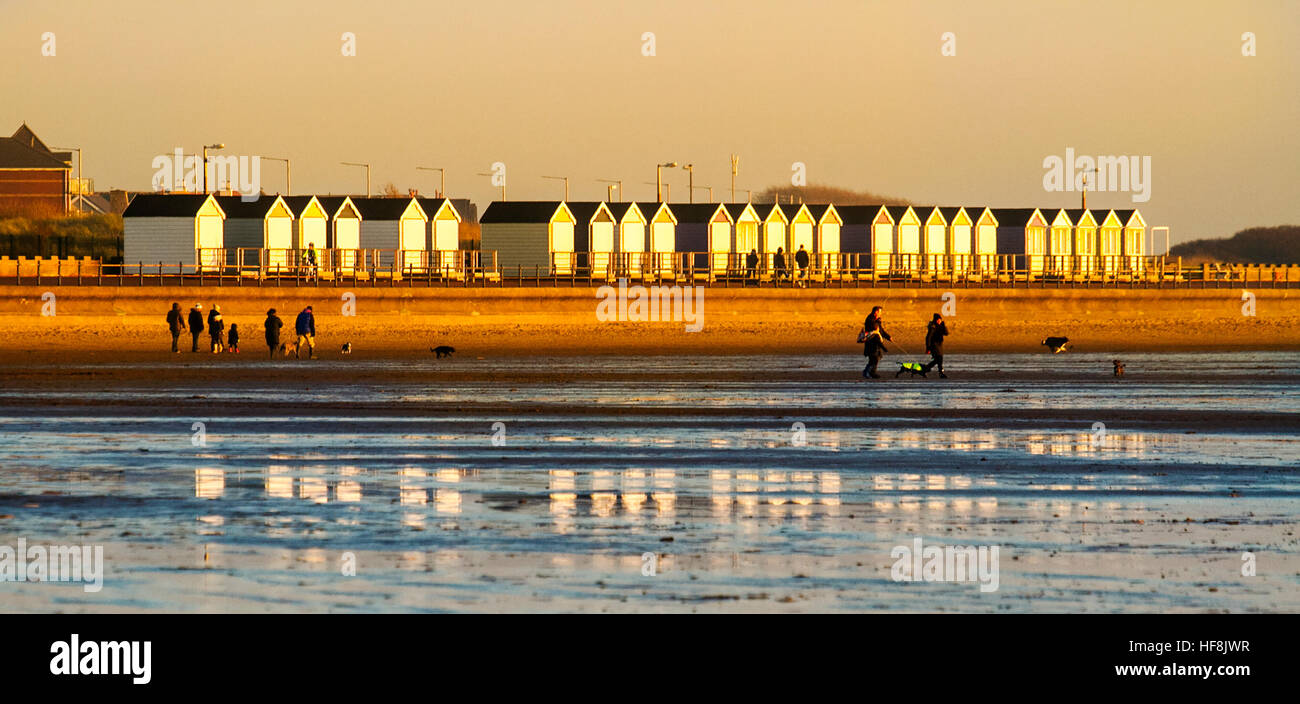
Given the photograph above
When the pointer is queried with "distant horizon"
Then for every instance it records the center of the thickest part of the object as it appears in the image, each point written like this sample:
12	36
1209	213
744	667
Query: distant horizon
936	104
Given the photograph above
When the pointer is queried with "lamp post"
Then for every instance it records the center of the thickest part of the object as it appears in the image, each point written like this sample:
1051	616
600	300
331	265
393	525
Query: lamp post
352	163
81	199
690	169
659	178
735	169
566	184
609	189
442	178
206	147
503	185
703	188
288	173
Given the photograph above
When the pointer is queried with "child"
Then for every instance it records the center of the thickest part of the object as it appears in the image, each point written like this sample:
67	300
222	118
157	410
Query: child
232	339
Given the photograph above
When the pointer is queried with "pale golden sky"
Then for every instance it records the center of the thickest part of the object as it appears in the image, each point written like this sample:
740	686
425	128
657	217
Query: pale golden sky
858	91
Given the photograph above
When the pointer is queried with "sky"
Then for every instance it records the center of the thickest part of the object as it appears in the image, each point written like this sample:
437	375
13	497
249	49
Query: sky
865	95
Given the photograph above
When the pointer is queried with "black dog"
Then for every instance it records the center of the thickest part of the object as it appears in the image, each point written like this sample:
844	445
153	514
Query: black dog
914	368
442	350
1119	368
1056	344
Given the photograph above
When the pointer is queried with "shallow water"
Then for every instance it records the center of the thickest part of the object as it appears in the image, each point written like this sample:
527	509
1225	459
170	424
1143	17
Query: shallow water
556	511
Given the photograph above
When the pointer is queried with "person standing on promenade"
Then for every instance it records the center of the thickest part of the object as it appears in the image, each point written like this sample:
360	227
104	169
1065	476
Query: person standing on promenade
273	325
305	326
873	337
779	264
176	324
216	326
196	325
311	261
801	258
751	266
934	334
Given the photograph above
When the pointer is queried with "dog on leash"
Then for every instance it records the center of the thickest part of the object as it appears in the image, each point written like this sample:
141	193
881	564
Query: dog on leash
288	348
347	348
1119	368
442	350
914	368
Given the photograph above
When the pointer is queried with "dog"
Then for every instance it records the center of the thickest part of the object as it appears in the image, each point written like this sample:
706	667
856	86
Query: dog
1119	368
288	348
1056	344
442	350
914	368
347	348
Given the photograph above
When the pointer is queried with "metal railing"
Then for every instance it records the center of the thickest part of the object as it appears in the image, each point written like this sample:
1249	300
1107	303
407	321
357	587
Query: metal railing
373	267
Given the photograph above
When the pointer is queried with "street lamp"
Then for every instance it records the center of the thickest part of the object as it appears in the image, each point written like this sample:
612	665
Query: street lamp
690	169
351	163
566	184
503	184
206	147
288	174
442	178
659	178
609	189
81	199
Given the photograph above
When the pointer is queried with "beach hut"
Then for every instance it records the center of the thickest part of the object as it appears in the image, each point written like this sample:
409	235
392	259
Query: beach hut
1134	242
258	232
663	237
747	223
960	239
395	227
344	234
1022	239
705	229
775	235
311	220
826	252
594	237
186	228
801	232
1085	242
442	239
934	240
1060	240
984	239
1111	229
907	240
630	239
530	235
867	237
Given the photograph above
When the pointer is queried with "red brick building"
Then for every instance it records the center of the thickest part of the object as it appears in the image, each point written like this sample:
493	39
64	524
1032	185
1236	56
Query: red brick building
33	179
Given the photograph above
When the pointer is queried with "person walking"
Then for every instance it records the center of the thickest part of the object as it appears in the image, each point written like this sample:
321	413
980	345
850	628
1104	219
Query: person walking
305	326
216	328
196	325
873	337
273	325
779	264
751	266
176	325
801	259
934	334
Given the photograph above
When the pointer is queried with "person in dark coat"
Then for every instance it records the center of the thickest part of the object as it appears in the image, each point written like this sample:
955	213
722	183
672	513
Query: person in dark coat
176	324
873	341
196	325
233	339
305	326
778	263
216	328
934	334
273	325
801	258
751	266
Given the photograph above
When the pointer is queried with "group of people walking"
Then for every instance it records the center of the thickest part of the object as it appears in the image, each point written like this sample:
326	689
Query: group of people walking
222	341
780	267
873	337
